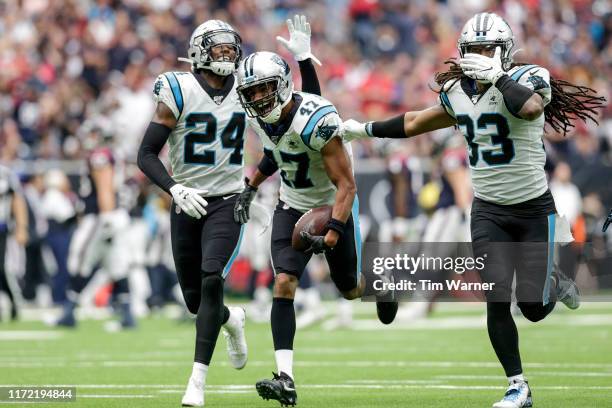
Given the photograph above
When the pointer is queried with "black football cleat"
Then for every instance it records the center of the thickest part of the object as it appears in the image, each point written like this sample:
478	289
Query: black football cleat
280	388
386	311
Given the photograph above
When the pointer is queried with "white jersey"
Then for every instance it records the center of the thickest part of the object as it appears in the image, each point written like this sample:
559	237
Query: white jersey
305	183
206	144
506	153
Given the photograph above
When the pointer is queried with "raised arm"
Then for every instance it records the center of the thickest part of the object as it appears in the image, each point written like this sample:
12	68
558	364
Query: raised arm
299	45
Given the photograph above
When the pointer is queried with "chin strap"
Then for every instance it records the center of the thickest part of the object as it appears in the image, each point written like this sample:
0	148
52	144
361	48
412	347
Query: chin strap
182	59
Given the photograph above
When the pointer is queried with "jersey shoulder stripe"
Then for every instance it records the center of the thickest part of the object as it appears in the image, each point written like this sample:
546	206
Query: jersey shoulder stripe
446	103
521	71
312	121
176	90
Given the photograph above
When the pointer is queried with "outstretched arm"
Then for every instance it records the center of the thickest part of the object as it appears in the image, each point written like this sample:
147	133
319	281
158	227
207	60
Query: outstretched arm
402	126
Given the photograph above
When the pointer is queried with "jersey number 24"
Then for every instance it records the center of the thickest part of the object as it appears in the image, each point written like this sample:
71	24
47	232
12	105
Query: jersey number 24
231	138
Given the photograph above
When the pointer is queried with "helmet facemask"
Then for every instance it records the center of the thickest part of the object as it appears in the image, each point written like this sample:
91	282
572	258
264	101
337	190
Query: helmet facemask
261	99
476	47
224	64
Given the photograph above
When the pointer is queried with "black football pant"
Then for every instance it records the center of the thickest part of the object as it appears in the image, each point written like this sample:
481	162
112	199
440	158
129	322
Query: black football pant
204	250
4	284
518	244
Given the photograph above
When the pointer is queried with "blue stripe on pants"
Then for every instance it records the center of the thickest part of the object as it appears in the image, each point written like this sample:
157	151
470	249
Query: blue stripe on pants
551	258
357	236
228	267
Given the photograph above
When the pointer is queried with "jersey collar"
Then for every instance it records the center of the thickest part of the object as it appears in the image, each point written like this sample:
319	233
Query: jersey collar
471	90
276	131
217	95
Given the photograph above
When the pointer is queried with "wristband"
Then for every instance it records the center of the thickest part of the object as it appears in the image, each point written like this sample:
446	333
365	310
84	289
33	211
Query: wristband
248	186
391	128
336	225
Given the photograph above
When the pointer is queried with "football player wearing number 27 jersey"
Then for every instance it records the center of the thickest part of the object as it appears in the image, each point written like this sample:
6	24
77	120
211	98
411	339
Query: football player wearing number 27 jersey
198	113
299	133
501	109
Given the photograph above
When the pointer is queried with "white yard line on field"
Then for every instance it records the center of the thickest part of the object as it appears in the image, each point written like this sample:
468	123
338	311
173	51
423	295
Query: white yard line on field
479	322
170	388
269	363
14	335
115	396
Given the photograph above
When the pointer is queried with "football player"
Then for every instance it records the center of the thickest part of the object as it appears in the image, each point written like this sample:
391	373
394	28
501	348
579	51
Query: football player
299	132
13	213
501	109
200	116
99	238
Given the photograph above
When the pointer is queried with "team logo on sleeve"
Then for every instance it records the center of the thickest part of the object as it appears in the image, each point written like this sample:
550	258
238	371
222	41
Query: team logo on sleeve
537	82
326	131
158	86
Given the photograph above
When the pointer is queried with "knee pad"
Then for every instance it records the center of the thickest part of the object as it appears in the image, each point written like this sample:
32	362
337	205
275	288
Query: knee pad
535	311
212	289
192	300
212	267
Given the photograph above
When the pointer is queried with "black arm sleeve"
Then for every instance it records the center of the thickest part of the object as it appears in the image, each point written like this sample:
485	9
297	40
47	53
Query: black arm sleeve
515	95
148	161
310	82
392	128
267	166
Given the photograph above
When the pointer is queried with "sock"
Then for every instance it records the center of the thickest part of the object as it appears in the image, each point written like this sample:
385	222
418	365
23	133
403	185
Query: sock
504	337
209	317
283	323
226	315
284	361
199	371
516	378
283	331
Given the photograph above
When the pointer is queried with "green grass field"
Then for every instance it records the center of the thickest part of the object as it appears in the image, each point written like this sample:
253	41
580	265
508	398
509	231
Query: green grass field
445	361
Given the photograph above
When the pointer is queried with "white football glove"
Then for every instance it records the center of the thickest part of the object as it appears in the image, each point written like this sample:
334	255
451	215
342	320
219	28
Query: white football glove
481	68
299	39
189	200
352	130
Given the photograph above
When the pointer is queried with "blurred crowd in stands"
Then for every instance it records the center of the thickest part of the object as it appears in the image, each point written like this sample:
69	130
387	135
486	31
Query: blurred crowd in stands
69	66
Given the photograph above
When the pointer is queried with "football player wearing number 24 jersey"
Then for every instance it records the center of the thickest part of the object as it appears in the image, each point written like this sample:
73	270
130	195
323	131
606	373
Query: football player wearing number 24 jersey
199	115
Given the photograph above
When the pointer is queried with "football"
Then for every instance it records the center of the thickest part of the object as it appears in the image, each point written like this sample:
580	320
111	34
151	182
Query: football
314	222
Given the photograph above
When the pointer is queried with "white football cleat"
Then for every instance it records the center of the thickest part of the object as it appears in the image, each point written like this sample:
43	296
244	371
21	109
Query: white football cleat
518	395
233	330
194	394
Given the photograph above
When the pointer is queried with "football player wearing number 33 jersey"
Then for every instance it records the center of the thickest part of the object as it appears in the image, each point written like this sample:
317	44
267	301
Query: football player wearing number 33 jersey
501	109
198	113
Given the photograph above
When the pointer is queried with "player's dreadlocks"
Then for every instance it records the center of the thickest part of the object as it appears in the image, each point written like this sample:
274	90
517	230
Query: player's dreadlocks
568	102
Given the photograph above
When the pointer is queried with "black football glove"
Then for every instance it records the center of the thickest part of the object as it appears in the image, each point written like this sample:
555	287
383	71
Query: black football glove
316	243
241	208
607	223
